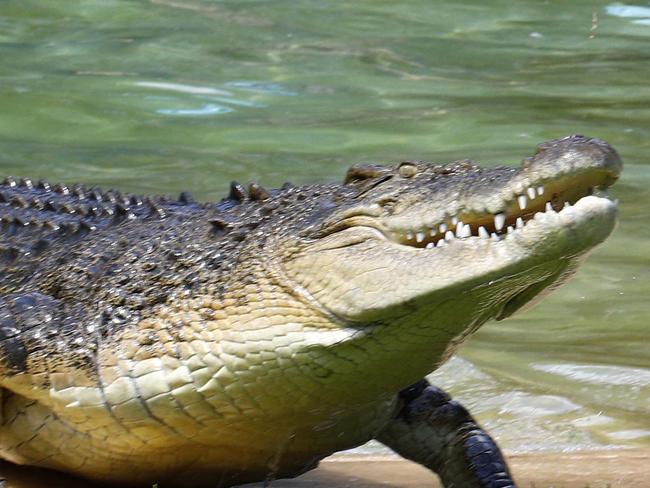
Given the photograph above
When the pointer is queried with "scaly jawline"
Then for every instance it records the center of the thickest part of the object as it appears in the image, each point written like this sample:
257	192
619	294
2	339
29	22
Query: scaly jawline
371	228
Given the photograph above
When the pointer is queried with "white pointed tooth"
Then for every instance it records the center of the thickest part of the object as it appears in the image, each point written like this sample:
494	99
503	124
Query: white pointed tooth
441	243
483	233
519	223
459	228
449	235
531	193
499	220
567	204
522	201
443	228
454	220
409	235
466	231
540	190
495	236
432	232
510	229
419	237
549	207
430	245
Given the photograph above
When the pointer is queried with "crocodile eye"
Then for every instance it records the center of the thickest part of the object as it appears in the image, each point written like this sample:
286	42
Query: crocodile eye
360	172
407	170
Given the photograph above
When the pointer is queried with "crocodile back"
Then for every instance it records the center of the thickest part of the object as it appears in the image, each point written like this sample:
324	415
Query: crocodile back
41	223
78	265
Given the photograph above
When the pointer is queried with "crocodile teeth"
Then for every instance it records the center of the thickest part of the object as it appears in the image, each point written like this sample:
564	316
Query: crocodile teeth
439	235
522	201
499	221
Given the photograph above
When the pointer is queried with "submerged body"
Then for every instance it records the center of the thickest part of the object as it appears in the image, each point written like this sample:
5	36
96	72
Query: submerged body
148	340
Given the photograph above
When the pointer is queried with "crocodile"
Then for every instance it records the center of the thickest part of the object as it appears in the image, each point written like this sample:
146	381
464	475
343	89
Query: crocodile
157	340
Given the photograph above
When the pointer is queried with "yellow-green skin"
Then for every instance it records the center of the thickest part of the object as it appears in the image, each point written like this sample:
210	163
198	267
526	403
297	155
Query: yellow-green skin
149	340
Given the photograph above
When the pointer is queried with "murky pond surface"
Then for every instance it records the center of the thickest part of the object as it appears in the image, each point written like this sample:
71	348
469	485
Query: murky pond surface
166	95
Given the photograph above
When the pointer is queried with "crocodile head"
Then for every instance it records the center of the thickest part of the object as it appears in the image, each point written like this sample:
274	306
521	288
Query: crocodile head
451	246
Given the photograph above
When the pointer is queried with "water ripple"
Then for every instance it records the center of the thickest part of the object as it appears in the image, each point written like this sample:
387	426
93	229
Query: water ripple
207	109
182	88
642	14
215	101
598	374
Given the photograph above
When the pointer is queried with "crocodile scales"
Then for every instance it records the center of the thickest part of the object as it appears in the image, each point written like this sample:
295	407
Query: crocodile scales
145	339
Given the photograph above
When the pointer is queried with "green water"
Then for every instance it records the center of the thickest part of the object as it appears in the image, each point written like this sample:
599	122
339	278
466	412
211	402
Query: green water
166	95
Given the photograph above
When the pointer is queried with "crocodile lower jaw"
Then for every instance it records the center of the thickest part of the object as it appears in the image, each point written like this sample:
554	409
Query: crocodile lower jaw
588	209
490	226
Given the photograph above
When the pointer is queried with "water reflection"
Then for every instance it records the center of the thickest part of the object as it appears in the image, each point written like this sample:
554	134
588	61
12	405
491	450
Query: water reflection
639	13
262	87
208	96
207	109
181	88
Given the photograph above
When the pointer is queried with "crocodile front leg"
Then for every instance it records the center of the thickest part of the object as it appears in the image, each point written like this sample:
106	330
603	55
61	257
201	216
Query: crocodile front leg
439	433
